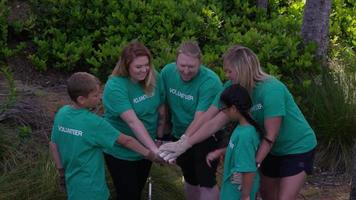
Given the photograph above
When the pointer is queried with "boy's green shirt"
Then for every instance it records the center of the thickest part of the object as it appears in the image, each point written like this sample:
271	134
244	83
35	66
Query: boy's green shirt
81	136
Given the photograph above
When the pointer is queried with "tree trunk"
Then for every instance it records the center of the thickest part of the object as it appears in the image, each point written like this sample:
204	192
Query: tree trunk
316	25
353	183
262	4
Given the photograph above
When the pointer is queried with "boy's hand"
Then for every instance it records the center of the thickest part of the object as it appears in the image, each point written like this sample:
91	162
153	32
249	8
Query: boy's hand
154	157
62	180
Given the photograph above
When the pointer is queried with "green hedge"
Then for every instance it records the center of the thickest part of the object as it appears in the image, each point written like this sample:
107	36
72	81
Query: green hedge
76	35
4	11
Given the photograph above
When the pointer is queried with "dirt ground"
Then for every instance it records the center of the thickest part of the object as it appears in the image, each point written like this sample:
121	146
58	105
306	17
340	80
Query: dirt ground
49	90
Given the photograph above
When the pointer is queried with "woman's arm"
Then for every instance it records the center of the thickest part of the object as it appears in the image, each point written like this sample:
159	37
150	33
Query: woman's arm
139	129
209	128
131	143
272	126
199	121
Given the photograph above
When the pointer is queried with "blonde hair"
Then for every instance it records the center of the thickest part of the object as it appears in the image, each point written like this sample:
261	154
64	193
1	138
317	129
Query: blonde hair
81	84
190	48
133	50
247	66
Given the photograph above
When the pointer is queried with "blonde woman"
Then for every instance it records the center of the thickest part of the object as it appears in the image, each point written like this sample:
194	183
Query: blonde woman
133	102
287	149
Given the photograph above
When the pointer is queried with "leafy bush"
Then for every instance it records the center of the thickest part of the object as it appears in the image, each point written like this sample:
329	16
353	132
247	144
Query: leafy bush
331	109
4	11
343	34
77	35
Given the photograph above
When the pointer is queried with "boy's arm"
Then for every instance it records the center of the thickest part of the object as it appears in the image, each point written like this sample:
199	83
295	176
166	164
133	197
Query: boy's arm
57	160
55	155
131	143
247	182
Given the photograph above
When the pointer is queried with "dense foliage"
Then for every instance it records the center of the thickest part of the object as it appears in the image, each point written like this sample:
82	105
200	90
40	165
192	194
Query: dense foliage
3	30
78	35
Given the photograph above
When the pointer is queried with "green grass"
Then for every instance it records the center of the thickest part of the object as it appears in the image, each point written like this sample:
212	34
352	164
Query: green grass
28	172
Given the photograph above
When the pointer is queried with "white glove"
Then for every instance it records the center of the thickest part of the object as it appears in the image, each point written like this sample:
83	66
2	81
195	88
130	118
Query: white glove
170	151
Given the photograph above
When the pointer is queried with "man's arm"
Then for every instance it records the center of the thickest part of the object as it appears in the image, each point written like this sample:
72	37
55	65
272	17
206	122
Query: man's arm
161	121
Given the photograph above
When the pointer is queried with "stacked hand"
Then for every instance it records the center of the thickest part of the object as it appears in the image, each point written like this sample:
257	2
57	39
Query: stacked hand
154	157
170	151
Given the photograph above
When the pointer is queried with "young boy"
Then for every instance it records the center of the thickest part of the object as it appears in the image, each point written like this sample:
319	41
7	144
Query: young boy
79	136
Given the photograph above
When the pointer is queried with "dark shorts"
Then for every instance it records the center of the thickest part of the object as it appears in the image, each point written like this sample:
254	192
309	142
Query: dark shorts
194	167
287	165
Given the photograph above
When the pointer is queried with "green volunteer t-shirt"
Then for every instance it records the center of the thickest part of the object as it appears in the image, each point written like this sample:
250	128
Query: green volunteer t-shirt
216	101
271	98
240	158
121	95
185	98
81	137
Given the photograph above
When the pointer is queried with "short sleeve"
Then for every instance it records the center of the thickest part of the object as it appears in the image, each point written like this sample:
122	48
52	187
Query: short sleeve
103	134
244	154
207	93
161	90
274	103
53	134
216	101
116	97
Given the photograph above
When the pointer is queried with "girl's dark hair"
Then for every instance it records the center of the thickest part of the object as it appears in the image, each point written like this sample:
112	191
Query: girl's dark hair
238	96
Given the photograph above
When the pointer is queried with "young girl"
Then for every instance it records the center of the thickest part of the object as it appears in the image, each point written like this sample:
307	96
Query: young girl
241	179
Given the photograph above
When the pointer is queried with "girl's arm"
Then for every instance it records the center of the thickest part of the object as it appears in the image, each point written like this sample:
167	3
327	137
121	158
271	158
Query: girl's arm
247	183
215	155
139	129
272	126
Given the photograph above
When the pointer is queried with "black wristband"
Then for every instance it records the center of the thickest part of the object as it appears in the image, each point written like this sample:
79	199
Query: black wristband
270	142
